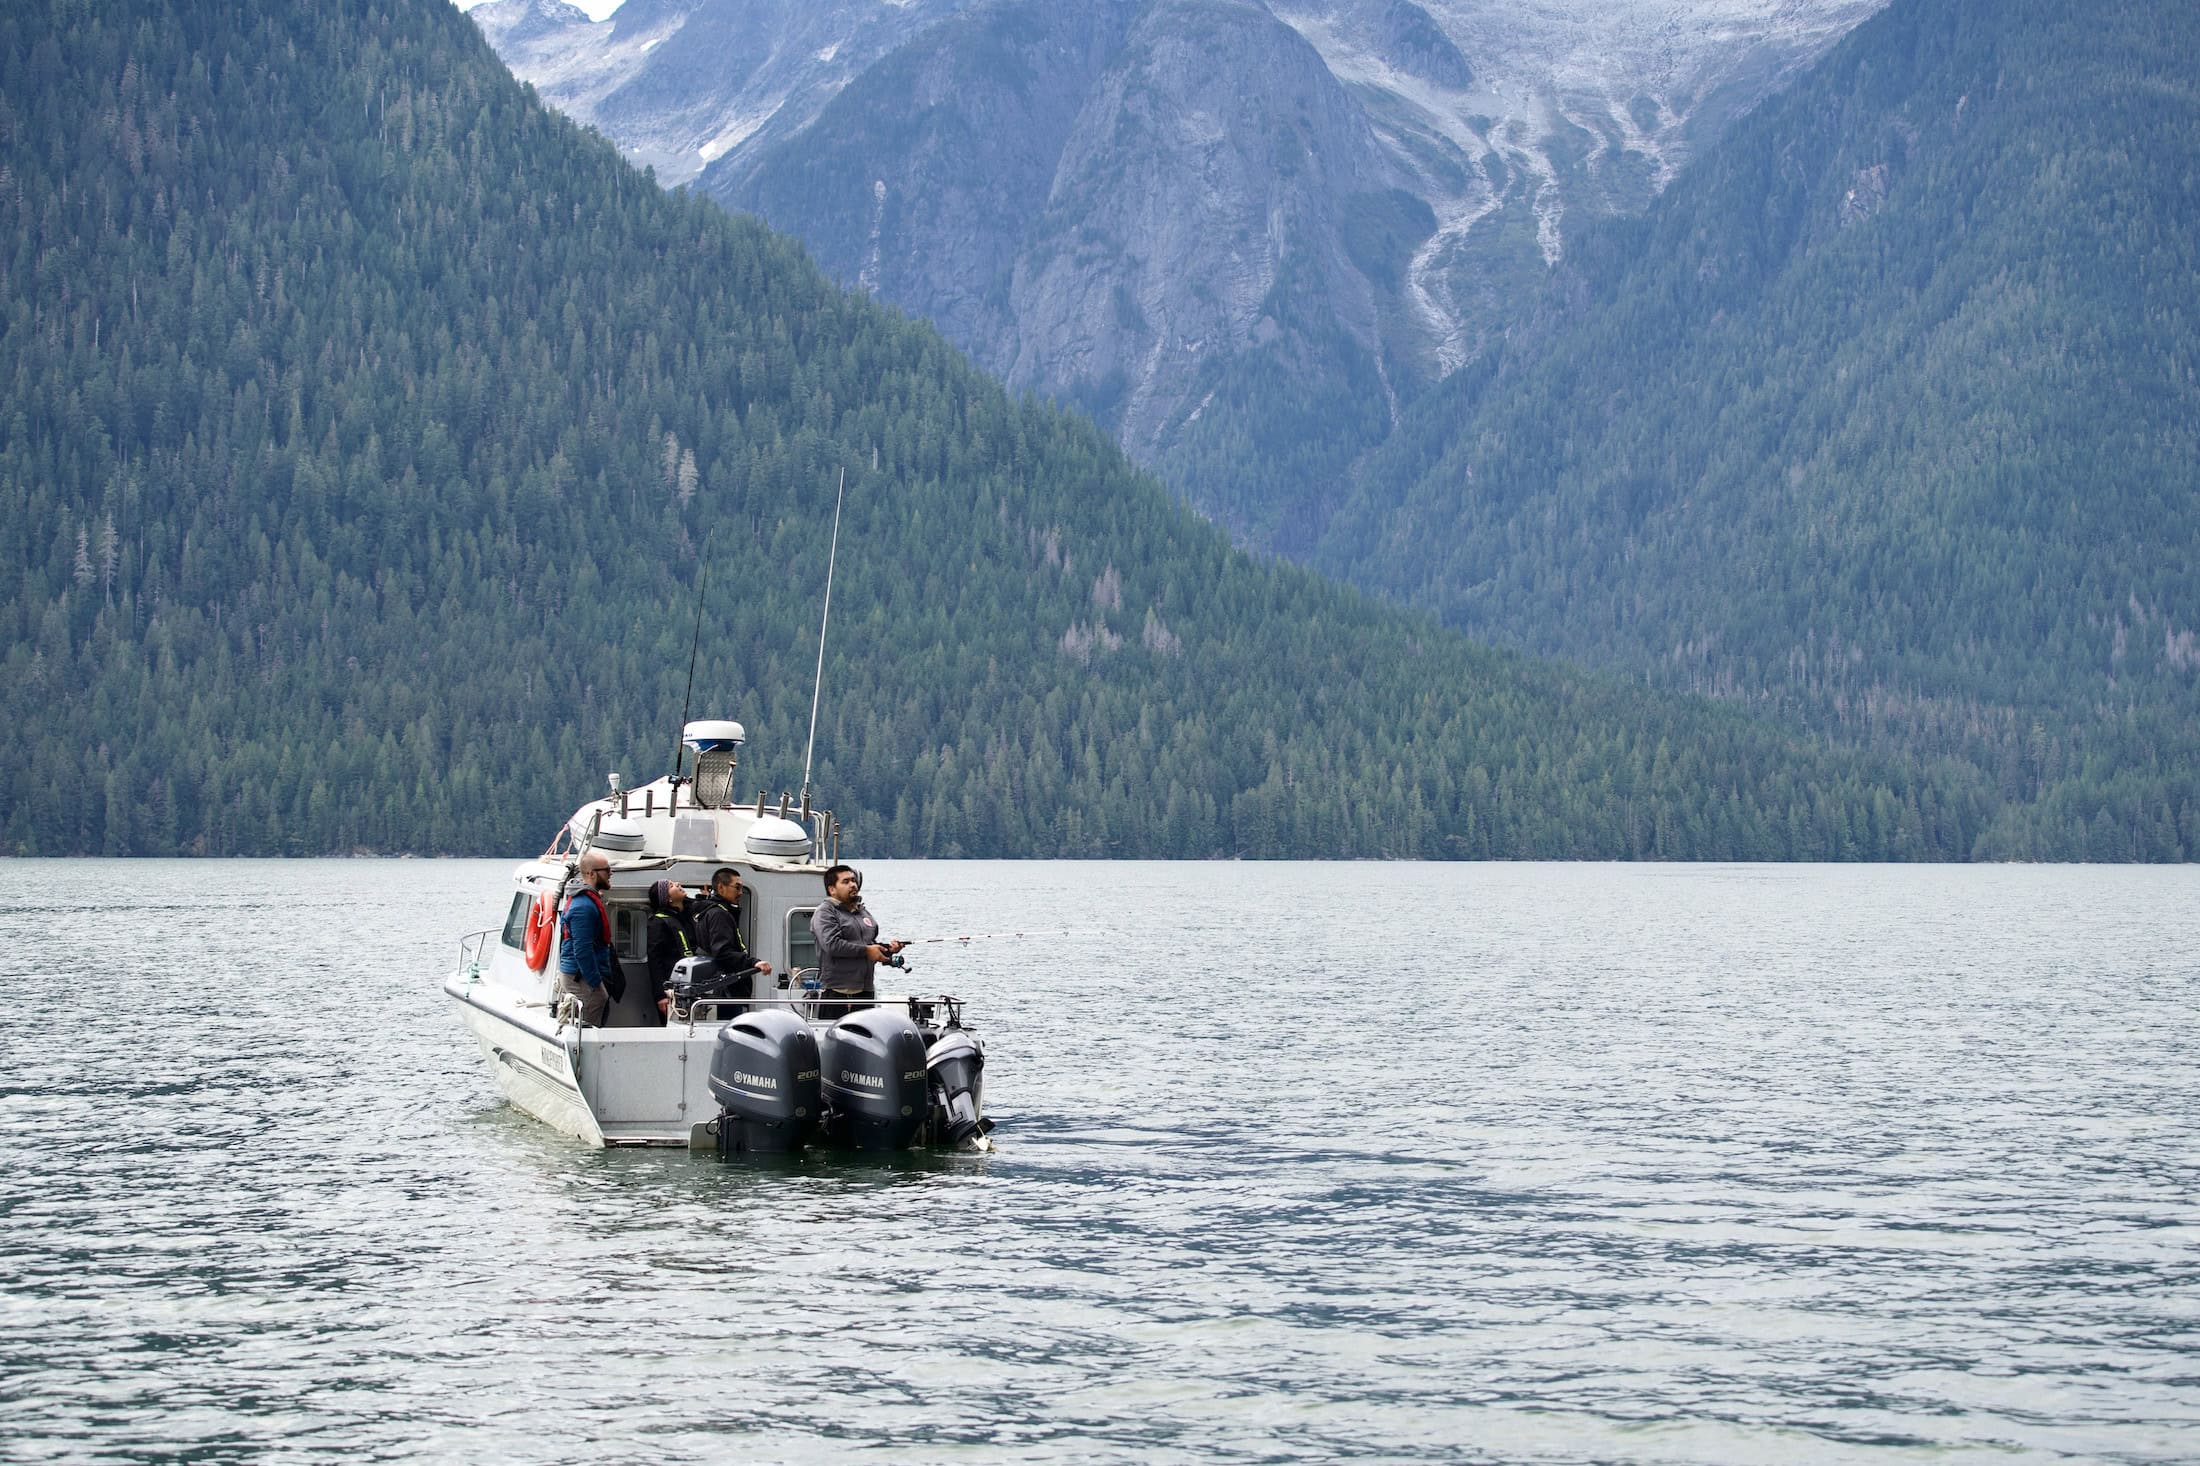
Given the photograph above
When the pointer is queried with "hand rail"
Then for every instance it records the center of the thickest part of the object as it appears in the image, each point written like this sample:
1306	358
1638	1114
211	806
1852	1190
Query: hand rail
469	950
932	1002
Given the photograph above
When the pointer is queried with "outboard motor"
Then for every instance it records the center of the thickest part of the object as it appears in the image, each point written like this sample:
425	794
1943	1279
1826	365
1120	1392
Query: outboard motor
764	1075
875	1079
697	979
957	1068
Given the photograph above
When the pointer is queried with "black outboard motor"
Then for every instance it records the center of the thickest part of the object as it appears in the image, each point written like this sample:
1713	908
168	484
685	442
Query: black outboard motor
764	1075
697	979
957	1068
875	1079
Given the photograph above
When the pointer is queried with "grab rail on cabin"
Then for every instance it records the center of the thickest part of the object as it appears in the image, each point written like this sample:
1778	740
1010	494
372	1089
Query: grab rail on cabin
469	950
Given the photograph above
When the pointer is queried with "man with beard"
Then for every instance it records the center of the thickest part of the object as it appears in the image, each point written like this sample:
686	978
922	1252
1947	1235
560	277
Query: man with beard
587	970
848	945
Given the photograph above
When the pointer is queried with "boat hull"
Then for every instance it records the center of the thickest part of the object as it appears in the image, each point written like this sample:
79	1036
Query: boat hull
601	1086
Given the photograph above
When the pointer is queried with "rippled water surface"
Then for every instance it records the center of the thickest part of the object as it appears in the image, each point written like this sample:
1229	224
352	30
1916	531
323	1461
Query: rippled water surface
1406	1163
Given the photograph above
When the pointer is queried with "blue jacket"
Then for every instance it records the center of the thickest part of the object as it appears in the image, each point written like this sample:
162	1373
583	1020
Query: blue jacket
584	947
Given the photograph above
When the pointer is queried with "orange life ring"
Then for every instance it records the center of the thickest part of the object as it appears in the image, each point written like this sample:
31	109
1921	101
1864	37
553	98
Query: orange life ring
542	925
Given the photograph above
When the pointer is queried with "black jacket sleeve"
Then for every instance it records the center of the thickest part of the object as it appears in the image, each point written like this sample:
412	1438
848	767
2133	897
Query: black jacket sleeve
718	937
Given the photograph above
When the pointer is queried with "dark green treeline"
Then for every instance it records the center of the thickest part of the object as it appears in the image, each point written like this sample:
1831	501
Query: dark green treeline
365	429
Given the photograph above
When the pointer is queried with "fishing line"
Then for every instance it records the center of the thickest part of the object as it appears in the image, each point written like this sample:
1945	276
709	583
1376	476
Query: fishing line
985	937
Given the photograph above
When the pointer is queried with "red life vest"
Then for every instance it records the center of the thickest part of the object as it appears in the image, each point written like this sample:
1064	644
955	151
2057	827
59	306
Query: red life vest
565	923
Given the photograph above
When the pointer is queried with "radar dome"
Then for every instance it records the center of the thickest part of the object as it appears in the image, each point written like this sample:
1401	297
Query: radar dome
781	838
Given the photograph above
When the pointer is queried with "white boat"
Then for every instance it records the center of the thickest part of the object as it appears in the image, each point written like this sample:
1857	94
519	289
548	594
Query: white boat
635	1082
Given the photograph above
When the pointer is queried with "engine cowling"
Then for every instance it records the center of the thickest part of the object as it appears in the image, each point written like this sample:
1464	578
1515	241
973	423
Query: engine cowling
764	1074
698	980
874	1079
956	1067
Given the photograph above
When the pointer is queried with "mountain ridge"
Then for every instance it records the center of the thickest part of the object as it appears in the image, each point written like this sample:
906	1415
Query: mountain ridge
373	426
1345	271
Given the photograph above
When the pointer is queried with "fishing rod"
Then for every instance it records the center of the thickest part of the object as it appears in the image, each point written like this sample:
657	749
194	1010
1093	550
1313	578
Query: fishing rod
832	556
986	937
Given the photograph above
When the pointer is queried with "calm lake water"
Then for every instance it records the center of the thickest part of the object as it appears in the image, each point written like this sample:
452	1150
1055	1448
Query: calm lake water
1509	1163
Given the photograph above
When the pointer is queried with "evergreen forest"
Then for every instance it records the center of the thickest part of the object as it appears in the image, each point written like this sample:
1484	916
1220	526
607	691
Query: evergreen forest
369	436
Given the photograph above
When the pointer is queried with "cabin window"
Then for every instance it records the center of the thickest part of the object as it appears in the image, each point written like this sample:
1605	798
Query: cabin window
801	946
631	933
515	921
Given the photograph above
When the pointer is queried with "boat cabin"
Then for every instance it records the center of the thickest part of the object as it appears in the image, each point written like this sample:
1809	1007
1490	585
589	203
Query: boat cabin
681	829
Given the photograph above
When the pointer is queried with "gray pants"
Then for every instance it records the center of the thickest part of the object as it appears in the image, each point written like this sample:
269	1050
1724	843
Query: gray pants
595	1002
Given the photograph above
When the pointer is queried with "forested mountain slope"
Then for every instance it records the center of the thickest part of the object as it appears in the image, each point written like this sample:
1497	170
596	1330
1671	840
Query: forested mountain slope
365	429
1887	414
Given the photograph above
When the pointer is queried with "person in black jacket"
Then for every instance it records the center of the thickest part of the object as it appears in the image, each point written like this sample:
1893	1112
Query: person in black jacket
717	925
669	939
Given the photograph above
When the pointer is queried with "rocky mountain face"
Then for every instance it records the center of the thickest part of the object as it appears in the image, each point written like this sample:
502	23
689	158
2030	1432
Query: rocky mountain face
1885	414
679	84
1242	233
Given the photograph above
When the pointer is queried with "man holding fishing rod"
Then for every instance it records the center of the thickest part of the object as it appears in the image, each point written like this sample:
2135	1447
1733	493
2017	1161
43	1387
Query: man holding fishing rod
848	946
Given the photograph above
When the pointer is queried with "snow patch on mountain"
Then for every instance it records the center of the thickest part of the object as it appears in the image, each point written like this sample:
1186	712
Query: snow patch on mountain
739	129
743	74
1572	103
578	62
1123	202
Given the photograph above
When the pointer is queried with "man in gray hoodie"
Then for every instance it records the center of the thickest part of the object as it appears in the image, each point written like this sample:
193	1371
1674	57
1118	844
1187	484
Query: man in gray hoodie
848	945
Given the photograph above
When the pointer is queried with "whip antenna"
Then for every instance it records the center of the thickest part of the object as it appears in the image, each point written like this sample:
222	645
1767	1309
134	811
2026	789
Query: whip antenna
826	620
701	582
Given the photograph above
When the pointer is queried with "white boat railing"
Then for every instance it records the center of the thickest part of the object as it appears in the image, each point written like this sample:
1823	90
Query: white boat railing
470	948
935	1006
801	1000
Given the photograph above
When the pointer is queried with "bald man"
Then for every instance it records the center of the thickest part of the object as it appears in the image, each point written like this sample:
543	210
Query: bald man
585	963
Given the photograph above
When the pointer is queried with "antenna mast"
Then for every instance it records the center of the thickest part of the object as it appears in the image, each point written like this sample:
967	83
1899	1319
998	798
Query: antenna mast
702	581
831	557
